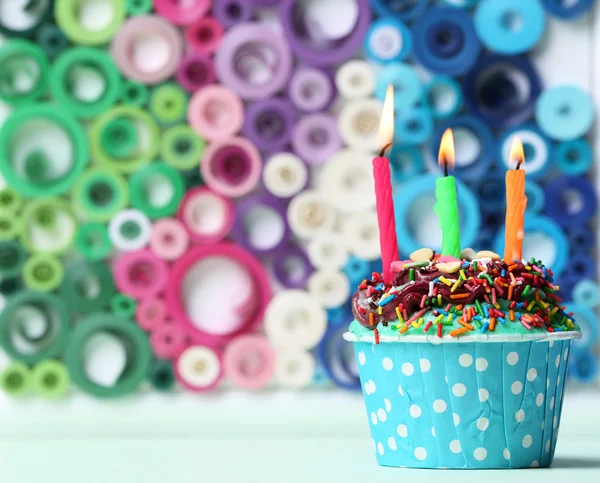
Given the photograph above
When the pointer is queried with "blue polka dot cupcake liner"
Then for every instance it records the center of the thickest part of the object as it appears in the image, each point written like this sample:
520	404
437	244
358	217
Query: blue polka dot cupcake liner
464	405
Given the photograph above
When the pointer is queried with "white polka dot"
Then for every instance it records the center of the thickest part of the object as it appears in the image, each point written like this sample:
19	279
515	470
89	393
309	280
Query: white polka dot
388	405
484	394
512	358
551	343
400	390
483	424
535	464
402	430
459	389
456	419
516	387
558	381
543	425
520	416
455	446
539	399
527	440
374	418
369	387
433	432
380	448
408	369
548	446
555	423
425	365
506	454
415	411
547	383
531	375
362	359
465	360
420	453
566	354
387	364
481	364
558	360
552	403
480	454
439	405
382	415
373	387
446	379
546	357
392	443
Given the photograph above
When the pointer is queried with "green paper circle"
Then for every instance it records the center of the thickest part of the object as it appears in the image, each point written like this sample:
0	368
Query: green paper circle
100	194
43	272
50	379
16	379
51	39
136	345
10	227
119	138
92	241
85	57
41	215
12	258
40	10
10	200
138	159
123	306
181	147
140	187
19	54
134	93
10	286
87	286
50	346
168	103
58	117
66	13
161	375
139	7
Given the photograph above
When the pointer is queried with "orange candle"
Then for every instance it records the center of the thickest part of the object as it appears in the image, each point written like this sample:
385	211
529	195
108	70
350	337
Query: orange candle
516	202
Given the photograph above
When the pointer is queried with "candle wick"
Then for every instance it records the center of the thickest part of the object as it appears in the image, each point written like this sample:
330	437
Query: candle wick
445	167
384	149
519	163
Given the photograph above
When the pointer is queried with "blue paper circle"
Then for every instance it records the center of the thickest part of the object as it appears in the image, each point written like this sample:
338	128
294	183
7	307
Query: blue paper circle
485	239
581	238
479	167
403	9
445	41
491	192
567	10
552	231
356	270
583	366
494	90
492	220
460	3
444	96
587	292
574	157
406	195
405	162
394	27
407	85
536	146
558	208
581	266
564	113
333	358
588	322
536	197
510	27
413	126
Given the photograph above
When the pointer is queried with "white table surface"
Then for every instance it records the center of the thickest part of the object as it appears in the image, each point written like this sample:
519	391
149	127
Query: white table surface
236	437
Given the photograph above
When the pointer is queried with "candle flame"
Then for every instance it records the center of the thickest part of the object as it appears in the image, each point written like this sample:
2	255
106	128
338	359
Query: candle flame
516	152
385	134
446	152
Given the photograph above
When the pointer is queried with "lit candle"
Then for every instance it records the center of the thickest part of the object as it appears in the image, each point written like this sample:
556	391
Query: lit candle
516	202
447	204
383	189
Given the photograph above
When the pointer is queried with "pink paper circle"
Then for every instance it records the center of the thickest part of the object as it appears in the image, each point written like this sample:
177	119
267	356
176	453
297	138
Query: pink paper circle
168	340
182	12
169	239
205	35
151	312
140	274
249	361
215	112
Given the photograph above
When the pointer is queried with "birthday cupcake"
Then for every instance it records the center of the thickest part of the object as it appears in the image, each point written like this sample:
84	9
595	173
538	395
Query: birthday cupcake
462	361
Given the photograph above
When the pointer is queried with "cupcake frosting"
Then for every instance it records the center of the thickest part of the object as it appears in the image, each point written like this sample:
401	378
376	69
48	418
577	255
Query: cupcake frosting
445	297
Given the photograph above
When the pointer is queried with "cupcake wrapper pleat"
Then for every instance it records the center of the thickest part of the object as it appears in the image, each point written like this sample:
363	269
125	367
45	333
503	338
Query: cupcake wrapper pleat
471	405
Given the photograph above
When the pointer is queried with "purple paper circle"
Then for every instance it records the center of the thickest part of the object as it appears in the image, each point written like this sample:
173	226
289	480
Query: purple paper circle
245	46
268	123
337	51
232	12
316	138
195	71
244	208
287	255
311	89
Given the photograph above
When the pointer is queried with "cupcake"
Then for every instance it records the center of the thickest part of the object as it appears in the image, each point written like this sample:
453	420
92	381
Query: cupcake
462	361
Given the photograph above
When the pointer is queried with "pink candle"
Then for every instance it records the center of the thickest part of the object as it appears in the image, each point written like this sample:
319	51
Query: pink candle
385	215
383	189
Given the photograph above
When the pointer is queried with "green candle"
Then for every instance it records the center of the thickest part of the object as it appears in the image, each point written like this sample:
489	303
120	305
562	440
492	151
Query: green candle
447	203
